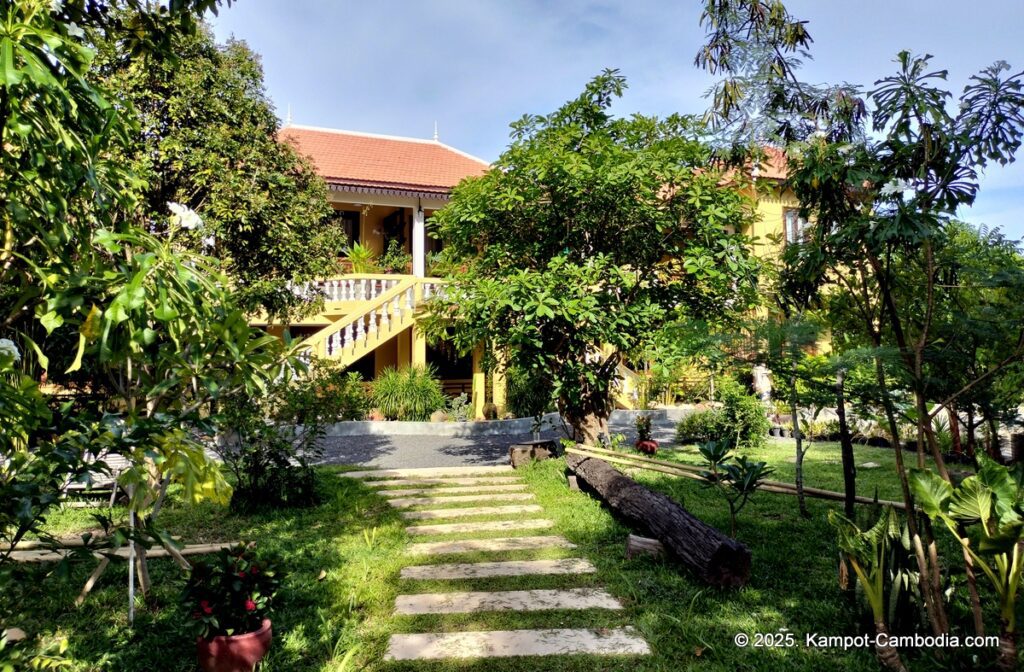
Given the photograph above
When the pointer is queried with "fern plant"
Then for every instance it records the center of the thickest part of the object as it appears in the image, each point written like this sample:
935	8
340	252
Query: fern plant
362	258
411	393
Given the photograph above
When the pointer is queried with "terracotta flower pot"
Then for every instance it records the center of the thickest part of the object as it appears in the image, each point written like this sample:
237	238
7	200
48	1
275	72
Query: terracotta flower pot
234	653
649	447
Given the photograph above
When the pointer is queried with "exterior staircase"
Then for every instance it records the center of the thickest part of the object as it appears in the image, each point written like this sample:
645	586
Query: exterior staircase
382	308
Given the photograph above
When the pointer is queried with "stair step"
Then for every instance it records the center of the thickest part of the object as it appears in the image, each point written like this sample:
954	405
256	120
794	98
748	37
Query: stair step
464	490
505	600
488	526
440	482
428	472
507	643
480	570
500	544
435	514
405	502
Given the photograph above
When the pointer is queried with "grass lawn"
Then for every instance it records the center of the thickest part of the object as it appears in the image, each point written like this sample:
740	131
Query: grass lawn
358	540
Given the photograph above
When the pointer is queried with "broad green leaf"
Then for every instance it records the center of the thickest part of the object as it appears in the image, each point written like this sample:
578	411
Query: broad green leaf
972	502
931	492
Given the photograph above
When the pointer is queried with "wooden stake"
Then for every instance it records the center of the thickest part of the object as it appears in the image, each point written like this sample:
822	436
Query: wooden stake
93	578
636	545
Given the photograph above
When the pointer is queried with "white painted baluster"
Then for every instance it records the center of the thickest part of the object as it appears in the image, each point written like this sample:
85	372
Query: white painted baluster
409	299
347	343
373	322
398	308
385	317
360	330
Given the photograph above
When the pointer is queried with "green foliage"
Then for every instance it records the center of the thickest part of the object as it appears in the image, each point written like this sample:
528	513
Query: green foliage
528	395
744	416
643	427
272	440
395	259
992	503
231	593
362	258
31	655
210	142
867	552
411	393
701	426
736	479
459	408
574	252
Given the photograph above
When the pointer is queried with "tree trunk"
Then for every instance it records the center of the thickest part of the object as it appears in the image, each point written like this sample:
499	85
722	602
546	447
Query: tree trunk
971	426
954	429
798	435
1007	660
846	443
887	654
717	559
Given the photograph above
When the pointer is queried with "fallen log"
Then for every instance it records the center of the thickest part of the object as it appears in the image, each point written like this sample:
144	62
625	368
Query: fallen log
636	545
711	555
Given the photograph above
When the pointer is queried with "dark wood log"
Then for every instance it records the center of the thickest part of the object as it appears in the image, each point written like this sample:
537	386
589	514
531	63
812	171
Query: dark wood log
711	555
643	546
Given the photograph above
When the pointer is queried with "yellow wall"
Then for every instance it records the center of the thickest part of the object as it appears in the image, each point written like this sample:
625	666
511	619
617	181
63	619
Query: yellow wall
771	207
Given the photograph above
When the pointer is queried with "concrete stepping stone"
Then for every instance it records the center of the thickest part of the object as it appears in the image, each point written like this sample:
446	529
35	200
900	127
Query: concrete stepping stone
504	600
481	570
488	526
464	490
429	472
496	479
405	502
435	514
500	544
507	643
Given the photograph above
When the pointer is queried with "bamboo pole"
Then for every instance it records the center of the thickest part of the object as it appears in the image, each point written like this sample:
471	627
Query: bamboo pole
693	472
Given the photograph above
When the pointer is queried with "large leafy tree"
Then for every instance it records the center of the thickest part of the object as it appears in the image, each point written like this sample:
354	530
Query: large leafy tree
882	175
208	139
588	235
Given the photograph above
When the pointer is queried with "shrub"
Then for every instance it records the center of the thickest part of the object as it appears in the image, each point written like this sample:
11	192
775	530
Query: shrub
269	443
362	259
528	395
458	408
700	427
231	593
395	259
744	416
326	394
411	393
741	418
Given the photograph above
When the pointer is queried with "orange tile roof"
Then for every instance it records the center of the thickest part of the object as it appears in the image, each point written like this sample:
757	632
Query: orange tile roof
348	158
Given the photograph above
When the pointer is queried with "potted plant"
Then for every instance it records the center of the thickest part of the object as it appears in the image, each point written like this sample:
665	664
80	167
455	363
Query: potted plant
229	598
644	443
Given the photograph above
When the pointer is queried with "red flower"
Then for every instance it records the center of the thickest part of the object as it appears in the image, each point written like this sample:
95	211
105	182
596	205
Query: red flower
207	609
250	605
241	575
255	569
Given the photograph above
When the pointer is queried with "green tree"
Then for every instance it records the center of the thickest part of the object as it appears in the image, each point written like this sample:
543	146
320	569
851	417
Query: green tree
208	139
586	237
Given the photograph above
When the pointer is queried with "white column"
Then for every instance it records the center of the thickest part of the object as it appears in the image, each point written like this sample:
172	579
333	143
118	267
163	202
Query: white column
419	243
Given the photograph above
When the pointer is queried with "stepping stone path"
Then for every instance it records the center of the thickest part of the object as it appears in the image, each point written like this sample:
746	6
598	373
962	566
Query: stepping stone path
448	491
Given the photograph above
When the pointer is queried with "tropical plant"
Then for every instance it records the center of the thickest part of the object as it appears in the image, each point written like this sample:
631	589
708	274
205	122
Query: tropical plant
410	393
991	502
643	427
744	416
575	256
736	479
867	553
528	395
395	259
362	258
231	593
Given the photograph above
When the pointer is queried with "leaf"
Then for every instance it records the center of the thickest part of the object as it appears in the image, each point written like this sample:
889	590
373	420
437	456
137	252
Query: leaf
931	492
972	502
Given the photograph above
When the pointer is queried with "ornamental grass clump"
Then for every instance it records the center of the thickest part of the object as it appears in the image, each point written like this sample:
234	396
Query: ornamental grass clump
411	393
231	593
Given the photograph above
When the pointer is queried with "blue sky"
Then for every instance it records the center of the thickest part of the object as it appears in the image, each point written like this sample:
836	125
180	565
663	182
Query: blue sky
473	66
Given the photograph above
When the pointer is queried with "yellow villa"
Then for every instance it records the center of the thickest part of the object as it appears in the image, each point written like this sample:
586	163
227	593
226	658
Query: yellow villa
383	190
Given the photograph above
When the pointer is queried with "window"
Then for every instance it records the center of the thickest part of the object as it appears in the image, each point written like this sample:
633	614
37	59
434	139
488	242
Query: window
796	226
348	220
